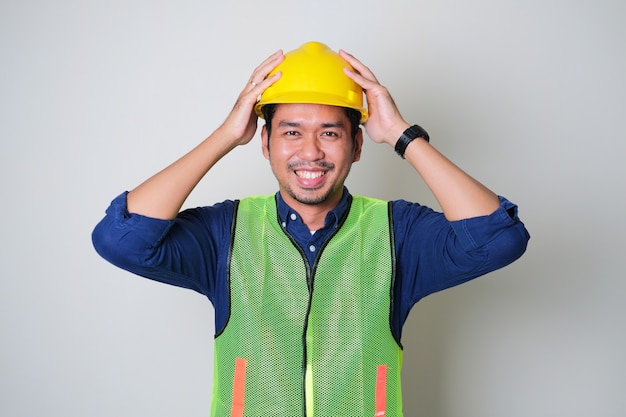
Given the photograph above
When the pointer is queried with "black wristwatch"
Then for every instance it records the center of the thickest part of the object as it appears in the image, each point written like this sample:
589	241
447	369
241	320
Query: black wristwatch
408	136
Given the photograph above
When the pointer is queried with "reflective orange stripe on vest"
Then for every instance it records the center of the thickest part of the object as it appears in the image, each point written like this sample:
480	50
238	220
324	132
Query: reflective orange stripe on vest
239	387
381	390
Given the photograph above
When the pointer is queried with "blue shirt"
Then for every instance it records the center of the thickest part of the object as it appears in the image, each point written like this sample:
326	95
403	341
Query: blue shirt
191	251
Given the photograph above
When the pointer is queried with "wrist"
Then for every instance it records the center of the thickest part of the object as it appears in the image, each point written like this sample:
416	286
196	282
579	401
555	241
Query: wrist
408	136
397	131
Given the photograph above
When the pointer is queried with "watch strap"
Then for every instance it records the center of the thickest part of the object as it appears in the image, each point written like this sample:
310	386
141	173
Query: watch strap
408	136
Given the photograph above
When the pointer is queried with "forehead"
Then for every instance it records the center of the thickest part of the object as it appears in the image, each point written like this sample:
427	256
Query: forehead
309	114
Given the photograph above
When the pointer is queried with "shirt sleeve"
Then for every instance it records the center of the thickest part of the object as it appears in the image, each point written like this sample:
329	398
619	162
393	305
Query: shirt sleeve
433	254
185	252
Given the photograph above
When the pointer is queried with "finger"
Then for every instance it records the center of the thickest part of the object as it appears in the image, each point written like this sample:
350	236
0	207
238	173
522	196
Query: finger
251	93
365	83
263	85
261	72
358	66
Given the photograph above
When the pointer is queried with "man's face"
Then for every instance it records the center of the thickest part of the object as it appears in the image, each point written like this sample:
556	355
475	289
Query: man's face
311	152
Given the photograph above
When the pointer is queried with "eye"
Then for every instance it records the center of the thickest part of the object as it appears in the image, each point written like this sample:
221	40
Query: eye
330	134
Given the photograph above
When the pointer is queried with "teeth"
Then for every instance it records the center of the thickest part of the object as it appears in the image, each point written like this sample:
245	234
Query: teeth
309	175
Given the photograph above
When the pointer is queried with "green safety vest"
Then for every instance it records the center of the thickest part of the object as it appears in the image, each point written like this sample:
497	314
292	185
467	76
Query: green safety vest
309	340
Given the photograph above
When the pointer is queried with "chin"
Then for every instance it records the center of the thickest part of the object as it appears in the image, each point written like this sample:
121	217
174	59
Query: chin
313	198
310	199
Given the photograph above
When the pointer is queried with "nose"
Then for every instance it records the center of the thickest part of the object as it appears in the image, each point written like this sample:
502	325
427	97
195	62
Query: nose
311	148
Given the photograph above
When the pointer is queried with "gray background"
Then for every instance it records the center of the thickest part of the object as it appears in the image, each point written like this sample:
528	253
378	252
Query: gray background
526	95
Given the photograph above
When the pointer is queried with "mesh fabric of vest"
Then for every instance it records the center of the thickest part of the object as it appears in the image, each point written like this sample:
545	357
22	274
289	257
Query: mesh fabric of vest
312	336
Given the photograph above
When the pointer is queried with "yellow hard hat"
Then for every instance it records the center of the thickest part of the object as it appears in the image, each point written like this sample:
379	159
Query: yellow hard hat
313	74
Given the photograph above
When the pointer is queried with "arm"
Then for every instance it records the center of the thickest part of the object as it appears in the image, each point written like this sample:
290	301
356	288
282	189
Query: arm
459	195
162	195
188	252
138	233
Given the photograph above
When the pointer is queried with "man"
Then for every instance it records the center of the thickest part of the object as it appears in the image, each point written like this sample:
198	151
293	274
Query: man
311	286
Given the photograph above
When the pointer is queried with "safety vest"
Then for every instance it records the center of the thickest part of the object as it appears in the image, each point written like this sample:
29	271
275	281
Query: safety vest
309	340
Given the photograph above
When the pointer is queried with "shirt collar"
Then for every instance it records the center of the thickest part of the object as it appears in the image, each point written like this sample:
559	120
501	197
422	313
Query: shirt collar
287	215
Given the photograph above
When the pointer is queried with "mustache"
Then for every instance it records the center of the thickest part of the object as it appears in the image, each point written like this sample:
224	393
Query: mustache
317	164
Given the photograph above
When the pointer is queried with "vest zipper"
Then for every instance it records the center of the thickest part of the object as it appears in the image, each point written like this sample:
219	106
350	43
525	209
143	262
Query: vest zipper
310	277
309	282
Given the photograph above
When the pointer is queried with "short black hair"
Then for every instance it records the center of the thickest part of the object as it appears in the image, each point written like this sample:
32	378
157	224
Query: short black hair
354	116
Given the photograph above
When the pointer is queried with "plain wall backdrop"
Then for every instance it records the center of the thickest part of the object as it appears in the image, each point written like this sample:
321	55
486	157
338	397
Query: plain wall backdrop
529	96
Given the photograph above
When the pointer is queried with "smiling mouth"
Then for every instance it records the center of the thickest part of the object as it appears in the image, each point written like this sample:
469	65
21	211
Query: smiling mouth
310	175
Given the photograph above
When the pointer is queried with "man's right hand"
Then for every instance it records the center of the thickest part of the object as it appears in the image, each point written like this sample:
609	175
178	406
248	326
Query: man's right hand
241	123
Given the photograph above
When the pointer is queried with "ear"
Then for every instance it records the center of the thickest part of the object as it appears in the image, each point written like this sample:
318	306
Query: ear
265	142
358	145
